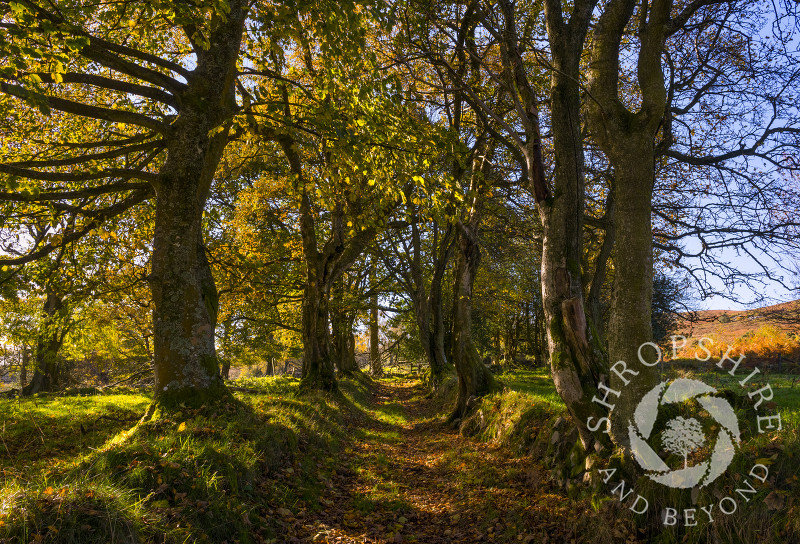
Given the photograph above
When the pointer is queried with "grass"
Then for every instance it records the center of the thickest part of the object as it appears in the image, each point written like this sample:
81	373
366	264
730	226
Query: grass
43	431
80	469
215	474
522	417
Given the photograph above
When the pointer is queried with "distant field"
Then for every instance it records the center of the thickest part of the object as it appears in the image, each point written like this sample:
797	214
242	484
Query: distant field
768	336
785	317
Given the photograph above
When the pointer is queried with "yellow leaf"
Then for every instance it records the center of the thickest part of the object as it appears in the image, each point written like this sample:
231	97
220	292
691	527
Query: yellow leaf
182	427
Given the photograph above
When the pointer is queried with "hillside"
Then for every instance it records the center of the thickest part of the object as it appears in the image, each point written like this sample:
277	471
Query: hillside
770	333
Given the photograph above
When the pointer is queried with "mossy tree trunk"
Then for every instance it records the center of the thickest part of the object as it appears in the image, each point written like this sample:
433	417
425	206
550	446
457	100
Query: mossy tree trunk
318	368
628	140
48	374
376	367
474	378
184	295
575	355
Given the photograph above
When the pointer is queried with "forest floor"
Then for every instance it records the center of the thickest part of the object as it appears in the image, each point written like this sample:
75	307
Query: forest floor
407	477
375	463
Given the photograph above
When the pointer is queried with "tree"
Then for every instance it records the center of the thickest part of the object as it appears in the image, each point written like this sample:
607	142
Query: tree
682	437
406	255
631	122
350	156
503	58
146	125
376	367
625	137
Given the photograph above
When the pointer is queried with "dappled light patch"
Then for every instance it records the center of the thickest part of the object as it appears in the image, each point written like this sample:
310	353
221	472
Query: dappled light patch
375	463
81	511
206	473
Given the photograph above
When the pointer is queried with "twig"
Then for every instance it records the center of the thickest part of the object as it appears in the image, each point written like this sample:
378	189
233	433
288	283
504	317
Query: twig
132	376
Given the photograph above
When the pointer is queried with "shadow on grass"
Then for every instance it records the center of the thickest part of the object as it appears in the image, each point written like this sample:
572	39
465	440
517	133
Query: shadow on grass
210	474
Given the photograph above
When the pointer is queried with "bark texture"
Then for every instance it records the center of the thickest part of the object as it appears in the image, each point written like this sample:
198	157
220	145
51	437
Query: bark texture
474	378
184	296
374	338
628	140
48	372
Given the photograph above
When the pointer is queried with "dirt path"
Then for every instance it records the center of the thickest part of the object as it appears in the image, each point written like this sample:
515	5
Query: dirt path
408	478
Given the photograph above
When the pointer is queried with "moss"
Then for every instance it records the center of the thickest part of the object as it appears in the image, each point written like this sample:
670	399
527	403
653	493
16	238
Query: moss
555	330
317	382
176	399
205	474
561	360
574	267
596	341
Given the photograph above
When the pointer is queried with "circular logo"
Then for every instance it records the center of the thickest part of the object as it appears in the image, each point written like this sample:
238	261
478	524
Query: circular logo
683	436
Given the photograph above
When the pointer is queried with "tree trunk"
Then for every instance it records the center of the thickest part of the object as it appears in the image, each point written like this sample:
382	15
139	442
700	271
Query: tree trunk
47	372
576	361
23	371
628	140
573	355
593	300
184	317
271	367
374	339
343	342
629	324
184	296
474	378
318	368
